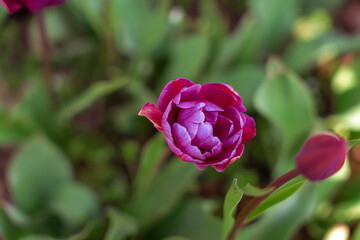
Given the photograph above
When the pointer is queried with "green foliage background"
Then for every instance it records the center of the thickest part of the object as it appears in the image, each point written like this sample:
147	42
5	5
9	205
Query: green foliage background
77	162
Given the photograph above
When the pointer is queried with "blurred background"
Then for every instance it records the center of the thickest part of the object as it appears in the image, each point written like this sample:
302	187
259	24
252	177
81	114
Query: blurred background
77	162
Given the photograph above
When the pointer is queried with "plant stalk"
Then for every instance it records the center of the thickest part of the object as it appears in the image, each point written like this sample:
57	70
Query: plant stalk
255	201
45	54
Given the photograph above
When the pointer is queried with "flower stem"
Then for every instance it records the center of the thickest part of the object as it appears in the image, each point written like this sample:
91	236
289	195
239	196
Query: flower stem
255	201
45	54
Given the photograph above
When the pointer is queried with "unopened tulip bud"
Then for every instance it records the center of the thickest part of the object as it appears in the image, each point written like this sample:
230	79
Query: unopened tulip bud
321	156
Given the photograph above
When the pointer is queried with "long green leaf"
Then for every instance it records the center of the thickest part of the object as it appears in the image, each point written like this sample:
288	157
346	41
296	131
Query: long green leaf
275	198
251	190
166	190
190	221
89	96
121	225
285	218
150	161
188	56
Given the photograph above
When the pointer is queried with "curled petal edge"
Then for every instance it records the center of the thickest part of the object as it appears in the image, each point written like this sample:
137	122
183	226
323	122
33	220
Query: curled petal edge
153	113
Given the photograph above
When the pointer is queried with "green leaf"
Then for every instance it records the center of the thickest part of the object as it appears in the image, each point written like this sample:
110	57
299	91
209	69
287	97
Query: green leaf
91	11
246	79
232	198
74	203
89	96
312	26
346	85
156	28
12	129
283	220
176	238
301	56
190	221
37	237
151	158
188	56
243	44
129	18
250	190
285	100
35	106
276	197
348	120
356	234
121	225
214	24
274	23
347	211
7	228
17	216
35	174
353	143
165	192
331	6
3	14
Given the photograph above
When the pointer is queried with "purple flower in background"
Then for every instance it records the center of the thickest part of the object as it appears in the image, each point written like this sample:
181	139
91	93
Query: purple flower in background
203	124
33	5
321	156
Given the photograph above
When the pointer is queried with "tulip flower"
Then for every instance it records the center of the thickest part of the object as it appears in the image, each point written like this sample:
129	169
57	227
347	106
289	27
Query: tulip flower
13	6
203	124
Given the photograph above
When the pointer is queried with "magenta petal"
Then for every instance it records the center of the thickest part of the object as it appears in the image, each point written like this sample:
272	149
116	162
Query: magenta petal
194	114
180	154
205	131
11	6
249	130
223	166
181	136
188	94
211	117
212	107
232	139
150	111
226	155
191	128
223	128
37	5
200	166
220	168
183	141
190	119
233	114
188	104
217	148
239	151
221	94
205	140
173	148
171	90
188	158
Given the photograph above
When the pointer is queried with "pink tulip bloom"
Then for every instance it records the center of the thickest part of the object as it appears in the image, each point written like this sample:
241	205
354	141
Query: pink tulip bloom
33	5
321	156
203	124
